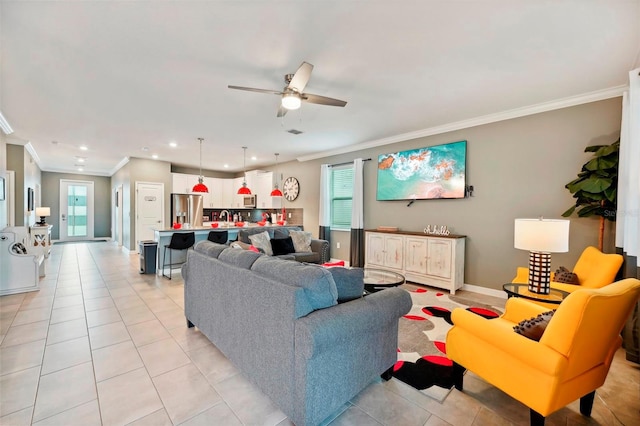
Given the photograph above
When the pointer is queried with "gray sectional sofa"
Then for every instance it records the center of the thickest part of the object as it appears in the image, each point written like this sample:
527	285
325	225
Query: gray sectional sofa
279	322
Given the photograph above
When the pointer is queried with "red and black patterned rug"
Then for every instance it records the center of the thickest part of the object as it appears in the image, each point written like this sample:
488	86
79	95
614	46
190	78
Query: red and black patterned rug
422	360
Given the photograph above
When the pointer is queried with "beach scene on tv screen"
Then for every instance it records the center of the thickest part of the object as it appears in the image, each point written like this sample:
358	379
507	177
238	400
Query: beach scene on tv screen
424	173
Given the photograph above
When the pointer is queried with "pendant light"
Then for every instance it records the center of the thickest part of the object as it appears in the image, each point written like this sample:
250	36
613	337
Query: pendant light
200	187
244	189
276	191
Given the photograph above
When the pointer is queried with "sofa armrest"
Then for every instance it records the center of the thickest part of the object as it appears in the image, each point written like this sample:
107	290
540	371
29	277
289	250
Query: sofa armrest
322	247
323	329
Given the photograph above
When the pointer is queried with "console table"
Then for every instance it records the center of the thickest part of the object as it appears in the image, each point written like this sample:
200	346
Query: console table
432	260
41	238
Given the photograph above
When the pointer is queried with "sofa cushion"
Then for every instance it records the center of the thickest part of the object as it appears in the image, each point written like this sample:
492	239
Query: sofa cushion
262	241
301	241
349	282
240	258
318	284
209	248
282	246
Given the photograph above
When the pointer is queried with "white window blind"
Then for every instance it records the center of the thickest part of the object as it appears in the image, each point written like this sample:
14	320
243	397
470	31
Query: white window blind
341	196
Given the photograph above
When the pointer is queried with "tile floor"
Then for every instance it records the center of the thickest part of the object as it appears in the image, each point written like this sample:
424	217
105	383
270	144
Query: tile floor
102	344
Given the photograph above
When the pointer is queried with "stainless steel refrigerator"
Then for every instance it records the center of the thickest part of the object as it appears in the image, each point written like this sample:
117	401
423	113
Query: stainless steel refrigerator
186	208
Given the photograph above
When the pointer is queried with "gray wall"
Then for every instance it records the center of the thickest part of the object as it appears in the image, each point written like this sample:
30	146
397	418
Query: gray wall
101	206
27	175
139	170
518	169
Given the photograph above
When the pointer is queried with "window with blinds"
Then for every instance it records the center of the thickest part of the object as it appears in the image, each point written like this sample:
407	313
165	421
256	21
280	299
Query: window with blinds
341	196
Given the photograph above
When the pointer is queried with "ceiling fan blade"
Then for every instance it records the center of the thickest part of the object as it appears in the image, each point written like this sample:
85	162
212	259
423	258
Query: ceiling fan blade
301	77
322	100
251	89
281	111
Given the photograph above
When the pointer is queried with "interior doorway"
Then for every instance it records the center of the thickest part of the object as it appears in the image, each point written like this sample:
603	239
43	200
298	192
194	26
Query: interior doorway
76	210
149	210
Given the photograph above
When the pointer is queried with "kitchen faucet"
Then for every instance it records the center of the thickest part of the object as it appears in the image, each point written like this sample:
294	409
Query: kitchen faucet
227	214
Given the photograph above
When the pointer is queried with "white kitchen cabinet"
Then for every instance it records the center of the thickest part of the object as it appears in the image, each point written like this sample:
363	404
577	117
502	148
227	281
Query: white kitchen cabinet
181	183
425	259
213	199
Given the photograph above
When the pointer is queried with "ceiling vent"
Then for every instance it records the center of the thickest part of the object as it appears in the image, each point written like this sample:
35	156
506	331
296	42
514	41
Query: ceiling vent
294	131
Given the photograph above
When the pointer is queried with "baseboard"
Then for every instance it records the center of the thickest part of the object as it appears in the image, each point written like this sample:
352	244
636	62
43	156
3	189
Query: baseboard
484	290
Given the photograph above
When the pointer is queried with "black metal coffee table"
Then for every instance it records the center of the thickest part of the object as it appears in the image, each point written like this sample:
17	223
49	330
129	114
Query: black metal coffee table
380	279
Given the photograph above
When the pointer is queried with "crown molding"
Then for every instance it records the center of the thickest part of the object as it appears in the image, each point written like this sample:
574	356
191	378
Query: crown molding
584	98
120	165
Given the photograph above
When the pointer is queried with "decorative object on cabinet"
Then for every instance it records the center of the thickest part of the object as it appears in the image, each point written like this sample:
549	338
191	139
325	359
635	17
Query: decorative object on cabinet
200	186
276	191
437	230
436	261
541	237
291	188
422	174
43	212
244	189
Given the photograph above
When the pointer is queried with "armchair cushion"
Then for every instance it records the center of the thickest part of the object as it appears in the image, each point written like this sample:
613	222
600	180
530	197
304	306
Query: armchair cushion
534	327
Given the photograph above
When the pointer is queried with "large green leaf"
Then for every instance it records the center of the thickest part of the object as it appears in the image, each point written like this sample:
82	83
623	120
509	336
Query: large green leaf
569	212
587	211
595	184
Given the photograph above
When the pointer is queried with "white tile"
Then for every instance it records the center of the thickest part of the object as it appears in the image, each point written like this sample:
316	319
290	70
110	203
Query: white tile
66	354
17	335
128	397
185	393
108	334
102	317
147	332
114	360
21	357
66	331
162	356
87	414
23	385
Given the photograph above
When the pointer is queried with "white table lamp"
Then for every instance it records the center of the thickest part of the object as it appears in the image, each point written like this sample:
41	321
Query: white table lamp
43	212
541	237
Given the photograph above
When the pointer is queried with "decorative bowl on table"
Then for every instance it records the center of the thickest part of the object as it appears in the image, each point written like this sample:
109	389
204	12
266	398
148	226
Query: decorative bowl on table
214	224
262	223
177	225
281	222
239	224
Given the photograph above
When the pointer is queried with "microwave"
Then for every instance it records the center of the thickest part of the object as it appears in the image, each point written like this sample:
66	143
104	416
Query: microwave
249	201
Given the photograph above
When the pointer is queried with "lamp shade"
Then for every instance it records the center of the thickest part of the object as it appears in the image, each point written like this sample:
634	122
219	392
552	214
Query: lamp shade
543	235
276	192
43	211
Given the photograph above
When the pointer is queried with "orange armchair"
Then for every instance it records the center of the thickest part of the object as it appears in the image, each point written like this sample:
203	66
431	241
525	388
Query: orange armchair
594	269
570	361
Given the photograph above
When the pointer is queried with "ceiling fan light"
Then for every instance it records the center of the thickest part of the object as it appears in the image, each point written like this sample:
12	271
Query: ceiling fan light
291	101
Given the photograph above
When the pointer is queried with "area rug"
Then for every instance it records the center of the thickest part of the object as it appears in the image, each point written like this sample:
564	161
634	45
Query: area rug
422	360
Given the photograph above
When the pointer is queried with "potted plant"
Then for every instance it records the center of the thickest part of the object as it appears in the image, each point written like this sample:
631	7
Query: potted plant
595	188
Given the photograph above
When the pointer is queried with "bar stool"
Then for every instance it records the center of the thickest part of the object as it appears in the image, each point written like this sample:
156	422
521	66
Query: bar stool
179	241
219	237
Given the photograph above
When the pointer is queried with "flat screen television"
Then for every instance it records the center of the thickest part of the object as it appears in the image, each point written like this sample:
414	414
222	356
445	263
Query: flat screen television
433	172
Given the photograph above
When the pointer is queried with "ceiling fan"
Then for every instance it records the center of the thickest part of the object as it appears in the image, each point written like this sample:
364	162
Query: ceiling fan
292	94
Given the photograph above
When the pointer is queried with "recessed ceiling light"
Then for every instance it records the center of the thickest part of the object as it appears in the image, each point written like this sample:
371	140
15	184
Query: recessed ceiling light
54	142
145	148
254	158
154	156
84	148
80	159
226	166
80	169
173	144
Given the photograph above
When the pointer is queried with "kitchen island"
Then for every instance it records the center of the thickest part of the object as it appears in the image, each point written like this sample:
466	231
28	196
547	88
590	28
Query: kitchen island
163	237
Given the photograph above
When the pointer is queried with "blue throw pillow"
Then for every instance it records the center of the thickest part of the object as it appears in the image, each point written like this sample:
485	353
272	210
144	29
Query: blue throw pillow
349	282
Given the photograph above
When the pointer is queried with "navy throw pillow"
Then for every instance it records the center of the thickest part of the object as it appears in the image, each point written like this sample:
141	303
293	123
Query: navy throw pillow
282	246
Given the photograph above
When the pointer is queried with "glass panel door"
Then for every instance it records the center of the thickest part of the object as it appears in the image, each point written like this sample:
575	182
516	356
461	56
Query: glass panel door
76	210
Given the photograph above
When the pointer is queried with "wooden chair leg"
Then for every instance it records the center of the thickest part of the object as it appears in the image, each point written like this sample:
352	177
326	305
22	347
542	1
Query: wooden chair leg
586	404
536	418
457	375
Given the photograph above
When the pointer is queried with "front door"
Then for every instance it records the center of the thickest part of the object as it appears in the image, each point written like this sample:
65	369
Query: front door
149	210
76	210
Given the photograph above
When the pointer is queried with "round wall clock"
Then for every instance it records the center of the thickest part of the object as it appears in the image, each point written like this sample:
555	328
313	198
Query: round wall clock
291	188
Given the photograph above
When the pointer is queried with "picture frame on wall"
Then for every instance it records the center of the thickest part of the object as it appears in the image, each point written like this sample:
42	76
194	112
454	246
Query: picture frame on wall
30	206
3	195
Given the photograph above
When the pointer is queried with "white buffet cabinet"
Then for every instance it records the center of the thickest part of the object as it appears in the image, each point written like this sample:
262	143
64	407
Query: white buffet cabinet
436	261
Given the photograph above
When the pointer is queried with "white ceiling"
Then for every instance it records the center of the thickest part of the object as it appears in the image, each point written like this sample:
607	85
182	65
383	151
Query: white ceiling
121	76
